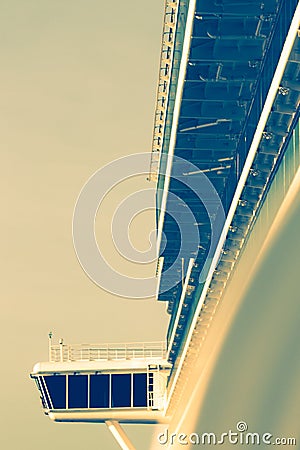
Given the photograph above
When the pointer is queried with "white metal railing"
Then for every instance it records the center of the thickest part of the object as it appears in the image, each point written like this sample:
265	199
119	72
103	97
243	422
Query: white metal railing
103	352
165	73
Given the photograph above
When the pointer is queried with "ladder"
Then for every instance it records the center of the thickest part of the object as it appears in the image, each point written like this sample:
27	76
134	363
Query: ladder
152	382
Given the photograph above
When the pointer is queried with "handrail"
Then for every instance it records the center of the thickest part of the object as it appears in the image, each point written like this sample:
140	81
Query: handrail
170	25
103	352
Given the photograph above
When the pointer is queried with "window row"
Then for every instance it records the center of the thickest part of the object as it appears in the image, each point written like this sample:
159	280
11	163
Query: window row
95	391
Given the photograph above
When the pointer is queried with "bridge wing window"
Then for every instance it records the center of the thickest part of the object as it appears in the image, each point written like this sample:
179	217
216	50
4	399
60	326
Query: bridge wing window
99	391
43	396
78	391
56	386
139	389
121	390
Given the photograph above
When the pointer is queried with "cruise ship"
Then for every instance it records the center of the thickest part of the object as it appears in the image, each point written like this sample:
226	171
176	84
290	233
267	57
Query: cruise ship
225	158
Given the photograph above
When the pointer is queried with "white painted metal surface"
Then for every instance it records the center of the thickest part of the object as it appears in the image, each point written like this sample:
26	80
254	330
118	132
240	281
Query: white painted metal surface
180	85
119	434
293	32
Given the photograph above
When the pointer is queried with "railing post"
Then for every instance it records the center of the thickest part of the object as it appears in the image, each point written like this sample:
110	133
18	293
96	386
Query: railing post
50	345
61	342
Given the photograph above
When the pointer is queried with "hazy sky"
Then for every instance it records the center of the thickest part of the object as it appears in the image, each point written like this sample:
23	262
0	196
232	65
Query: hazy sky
78	87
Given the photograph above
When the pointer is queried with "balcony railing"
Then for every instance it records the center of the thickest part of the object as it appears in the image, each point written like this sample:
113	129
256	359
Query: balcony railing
105	352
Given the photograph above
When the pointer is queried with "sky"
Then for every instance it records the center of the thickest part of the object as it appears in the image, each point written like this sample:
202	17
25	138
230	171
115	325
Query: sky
78	88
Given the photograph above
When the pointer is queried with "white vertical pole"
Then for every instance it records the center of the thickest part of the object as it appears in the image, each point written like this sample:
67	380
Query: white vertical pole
89	389
67	391
131	388
50	344
110	381
61	341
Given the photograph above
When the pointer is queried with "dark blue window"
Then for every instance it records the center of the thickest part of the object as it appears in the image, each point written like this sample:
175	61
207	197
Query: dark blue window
78	391
121	390
56	385
139	389
99	391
